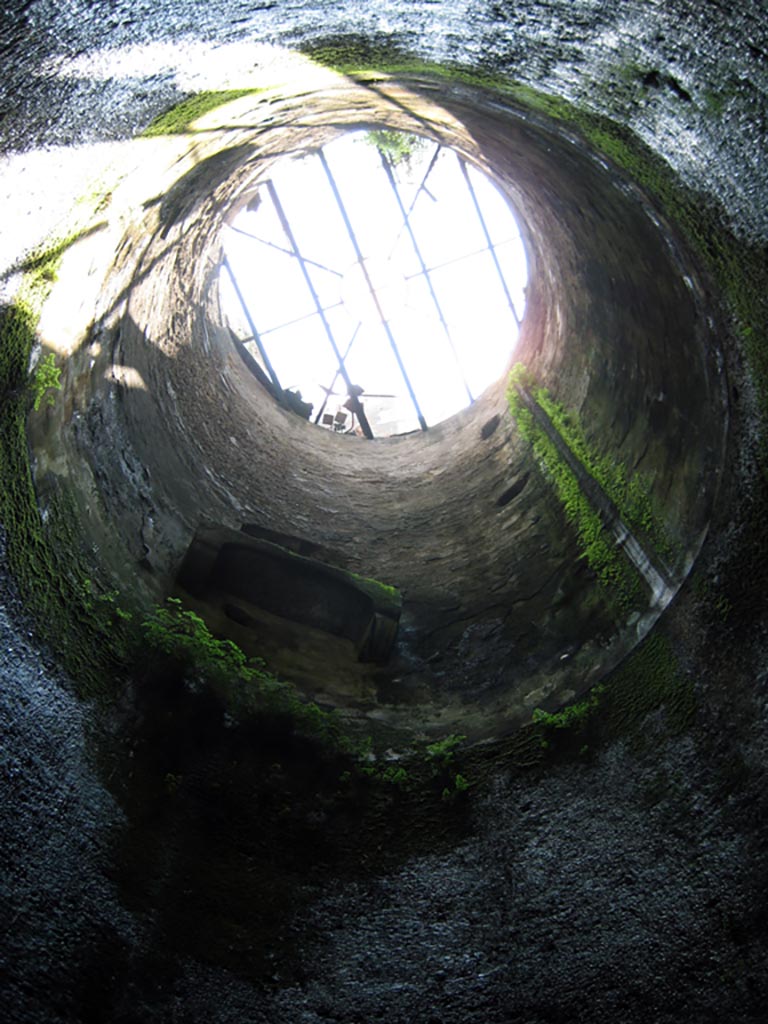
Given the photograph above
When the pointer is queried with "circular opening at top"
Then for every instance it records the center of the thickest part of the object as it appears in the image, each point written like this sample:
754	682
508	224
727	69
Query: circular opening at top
375	284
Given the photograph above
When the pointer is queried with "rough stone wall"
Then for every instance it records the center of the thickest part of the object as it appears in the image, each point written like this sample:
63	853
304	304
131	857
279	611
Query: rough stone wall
112	72
631	885
619	332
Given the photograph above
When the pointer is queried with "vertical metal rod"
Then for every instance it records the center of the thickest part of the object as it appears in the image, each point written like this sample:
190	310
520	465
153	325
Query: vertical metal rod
372	290
359	411
419	190
407	223
480	217
254	332
336	375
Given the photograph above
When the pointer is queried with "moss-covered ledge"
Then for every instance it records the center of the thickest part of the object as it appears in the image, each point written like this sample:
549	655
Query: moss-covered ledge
258	584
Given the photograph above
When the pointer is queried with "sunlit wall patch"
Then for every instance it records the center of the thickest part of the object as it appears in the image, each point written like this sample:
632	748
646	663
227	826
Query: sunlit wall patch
375	284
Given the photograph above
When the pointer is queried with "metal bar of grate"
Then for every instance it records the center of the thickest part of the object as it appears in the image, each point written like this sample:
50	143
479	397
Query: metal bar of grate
286	252
358	408
422	188
262	351
438	308
300	319
456	259
374	296
491	247
336	375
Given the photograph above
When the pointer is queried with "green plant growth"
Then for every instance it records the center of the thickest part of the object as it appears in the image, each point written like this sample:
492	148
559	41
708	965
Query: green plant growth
359	57
181	634
573	716
178	119
441	759
630	493
740	270
248	690
612	570
388	774
47	557
399	147
245	686
651	678
46	380
104	603
395	775
458	787
18	322
442	753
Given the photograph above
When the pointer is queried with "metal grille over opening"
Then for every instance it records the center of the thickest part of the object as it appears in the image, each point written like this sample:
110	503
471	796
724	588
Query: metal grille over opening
375	285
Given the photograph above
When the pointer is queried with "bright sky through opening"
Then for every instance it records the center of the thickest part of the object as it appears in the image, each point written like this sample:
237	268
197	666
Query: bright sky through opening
453	327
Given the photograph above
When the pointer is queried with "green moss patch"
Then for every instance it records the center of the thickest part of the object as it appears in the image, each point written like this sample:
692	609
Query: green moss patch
651	678
612	569
178	119
572	716
178	643
648	681
46	557
629	492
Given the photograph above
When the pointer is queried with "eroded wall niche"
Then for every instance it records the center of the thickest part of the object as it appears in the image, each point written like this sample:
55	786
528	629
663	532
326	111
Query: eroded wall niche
164	428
